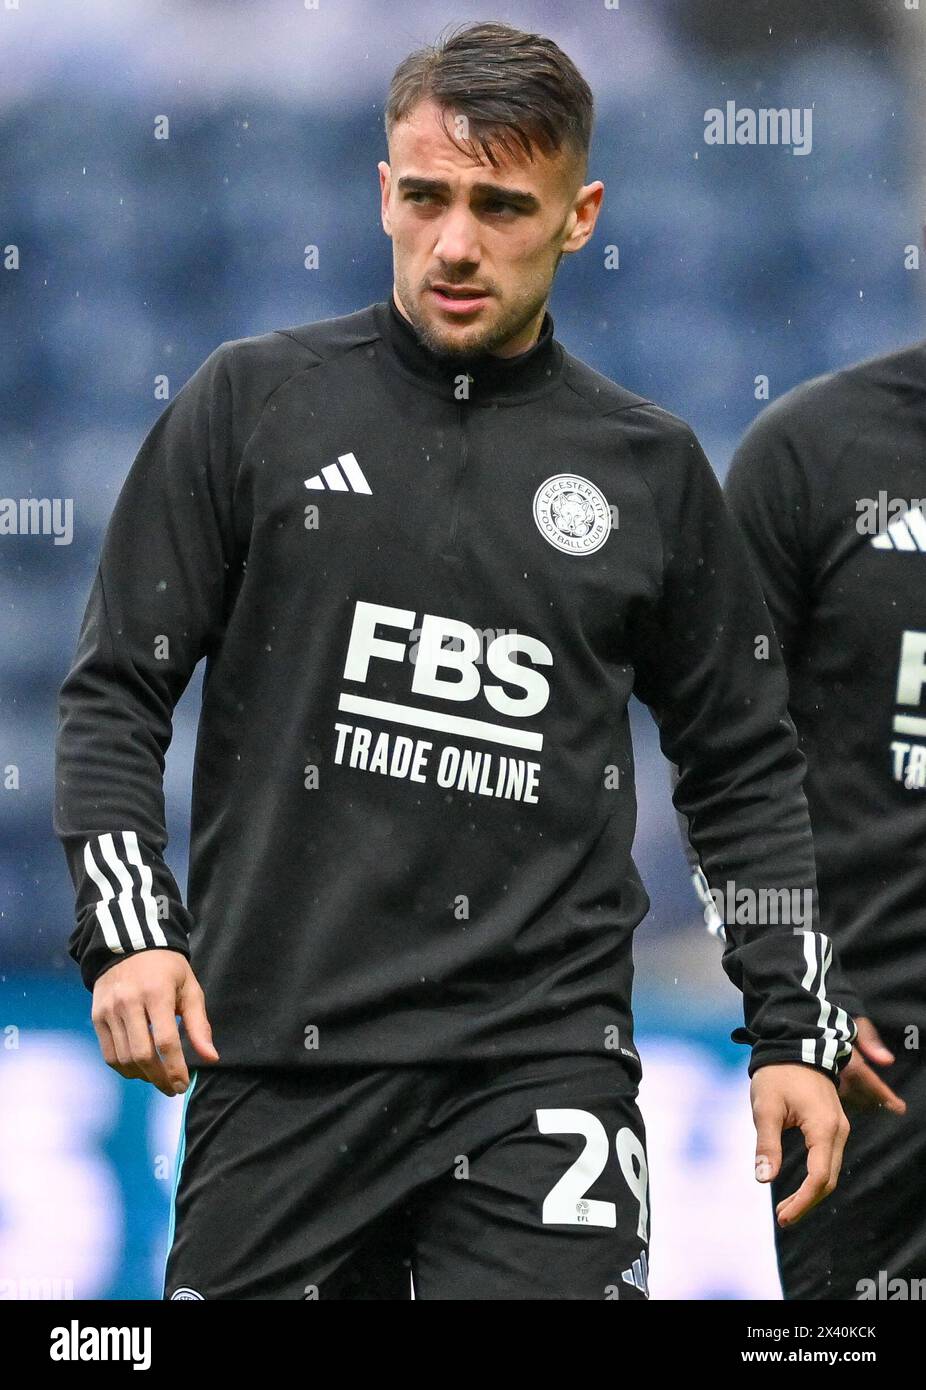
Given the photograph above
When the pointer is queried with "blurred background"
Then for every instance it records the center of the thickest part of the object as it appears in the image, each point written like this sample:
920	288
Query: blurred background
125	258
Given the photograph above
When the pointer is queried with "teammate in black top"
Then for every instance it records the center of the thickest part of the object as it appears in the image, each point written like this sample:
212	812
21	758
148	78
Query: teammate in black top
830	490
428	555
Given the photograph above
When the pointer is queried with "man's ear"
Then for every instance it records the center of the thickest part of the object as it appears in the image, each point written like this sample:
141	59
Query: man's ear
587	208
385	187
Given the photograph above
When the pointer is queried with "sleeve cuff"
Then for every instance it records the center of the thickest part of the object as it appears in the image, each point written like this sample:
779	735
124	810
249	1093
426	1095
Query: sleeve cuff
95	957
767	1053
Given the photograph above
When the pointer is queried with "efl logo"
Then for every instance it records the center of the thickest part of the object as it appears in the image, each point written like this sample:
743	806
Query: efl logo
449	674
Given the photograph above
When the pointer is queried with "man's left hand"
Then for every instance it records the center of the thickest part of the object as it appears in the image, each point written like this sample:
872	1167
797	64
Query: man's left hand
787	1096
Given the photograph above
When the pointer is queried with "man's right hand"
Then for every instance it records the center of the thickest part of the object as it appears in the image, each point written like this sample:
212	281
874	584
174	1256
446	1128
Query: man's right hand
151	987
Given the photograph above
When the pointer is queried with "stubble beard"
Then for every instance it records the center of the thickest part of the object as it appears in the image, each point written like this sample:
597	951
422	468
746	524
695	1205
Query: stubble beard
481	342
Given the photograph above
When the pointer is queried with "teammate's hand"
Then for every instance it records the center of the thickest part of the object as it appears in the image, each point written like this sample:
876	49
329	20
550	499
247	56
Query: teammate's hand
135	1004
860	1088
788	1096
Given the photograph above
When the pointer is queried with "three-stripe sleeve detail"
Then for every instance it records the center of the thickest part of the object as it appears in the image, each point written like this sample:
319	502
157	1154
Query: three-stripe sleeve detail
833	1021
125	883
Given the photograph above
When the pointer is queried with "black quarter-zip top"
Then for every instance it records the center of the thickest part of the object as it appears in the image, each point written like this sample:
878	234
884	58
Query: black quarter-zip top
460	477
413	800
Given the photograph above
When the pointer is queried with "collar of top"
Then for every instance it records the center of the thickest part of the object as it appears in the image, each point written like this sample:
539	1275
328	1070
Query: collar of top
491	378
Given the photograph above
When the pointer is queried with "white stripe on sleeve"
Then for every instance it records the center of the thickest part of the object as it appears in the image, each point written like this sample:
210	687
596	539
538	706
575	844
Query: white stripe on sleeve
133	855
107	893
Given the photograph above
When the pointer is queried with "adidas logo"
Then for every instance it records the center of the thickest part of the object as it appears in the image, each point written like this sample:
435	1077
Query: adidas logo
908	532
637	1276
333	479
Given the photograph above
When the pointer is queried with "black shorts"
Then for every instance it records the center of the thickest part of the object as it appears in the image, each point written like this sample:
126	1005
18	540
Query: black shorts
495	1180
872	1228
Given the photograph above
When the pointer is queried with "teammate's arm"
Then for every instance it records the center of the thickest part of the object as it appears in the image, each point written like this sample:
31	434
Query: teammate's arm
157	605
708	665
768	494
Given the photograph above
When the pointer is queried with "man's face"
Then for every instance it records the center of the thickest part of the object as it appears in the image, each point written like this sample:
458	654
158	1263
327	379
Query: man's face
475	248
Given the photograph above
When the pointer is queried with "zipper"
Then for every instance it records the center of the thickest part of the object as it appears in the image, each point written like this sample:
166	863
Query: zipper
458	480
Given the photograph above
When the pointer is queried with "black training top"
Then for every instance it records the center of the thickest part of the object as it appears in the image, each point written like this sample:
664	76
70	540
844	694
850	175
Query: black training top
425	592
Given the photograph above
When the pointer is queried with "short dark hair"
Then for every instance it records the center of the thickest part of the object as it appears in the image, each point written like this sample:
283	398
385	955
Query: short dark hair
515	89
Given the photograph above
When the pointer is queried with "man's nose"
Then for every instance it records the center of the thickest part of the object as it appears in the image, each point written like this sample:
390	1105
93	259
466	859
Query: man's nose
458	238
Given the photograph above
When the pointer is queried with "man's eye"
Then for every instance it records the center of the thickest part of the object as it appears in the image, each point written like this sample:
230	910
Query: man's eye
418	193
499	205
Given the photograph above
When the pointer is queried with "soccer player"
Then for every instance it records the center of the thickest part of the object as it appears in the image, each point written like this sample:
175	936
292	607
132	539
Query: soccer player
826	487
428	555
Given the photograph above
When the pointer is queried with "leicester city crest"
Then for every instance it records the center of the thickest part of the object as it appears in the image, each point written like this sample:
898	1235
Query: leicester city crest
572	514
